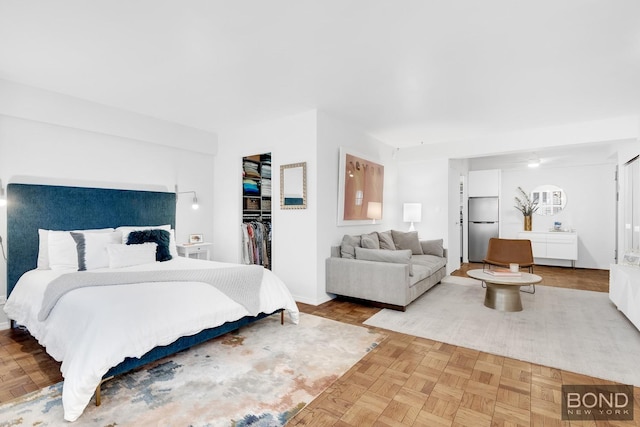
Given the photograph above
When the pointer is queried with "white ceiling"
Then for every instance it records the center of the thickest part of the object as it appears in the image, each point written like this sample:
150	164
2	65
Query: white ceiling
407	71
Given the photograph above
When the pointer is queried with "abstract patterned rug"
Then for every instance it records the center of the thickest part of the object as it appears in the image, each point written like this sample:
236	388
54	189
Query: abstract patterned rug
262	375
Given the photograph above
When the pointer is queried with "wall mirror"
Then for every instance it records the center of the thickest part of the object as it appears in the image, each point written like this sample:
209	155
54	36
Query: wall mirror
293	186
551	199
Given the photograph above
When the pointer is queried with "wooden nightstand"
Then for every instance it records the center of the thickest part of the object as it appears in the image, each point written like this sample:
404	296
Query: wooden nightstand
188	249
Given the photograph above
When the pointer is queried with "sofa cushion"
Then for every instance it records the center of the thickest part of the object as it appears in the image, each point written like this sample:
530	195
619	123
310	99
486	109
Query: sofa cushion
433	247
348	245
370	241
386	240
385	255
407	240
420	272
431	262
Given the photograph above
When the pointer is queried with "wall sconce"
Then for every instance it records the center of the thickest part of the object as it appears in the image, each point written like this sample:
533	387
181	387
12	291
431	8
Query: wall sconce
194	204
3	196
374	211
412	212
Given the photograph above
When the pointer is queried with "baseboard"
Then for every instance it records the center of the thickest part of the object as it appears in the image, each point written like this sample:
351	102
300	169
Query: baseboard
309	301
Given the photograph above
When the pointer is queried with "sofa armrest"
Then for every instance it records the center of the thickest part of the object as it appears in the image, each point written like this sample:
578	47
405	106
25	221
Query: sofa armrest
370	280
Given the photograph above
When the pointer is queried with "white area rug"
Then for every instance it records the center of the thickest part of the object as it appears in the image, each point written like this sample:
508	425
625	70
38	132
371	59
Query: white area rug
573	330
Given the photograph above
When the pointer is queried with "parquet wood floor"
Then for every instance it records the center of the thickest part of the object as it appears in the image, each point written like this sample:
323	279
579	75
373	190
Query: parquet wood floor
405	381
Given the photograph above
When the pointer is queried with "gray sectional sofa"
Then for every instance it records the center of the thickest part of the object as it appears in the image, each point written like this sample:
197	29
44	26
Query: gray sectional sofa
389	269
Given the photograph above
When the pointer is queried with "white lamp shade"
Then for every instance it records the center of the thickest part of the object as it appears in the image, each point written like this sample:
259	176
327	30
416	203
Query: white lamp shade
412	212
374	210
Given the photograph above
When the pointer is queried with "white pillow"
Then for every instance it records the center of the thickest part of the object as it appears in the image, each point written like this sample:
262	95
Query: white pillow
91	249
62	251
127	255
43	246
173	249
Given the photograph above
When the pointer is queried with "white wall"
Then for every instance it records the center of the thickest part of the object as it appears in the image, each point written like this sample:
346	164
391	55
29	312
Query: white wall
590	209
17	100
334	133
301	238
427	182
528	140
40	150
289	140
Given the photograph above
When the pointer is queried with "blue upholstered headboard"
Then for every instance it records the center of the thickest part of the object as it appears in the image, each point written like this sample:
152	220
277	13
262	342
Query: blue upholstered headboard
30	207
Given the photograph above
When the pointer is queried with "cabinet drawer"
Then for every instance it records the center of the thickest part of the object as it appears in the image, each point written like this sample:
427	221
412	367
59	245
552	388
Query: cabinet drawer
539	249
561	238
534	237
562	250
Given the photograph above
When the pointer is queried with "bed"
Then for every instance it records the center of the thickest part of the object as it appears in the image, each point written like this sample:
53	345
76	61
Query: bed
109	328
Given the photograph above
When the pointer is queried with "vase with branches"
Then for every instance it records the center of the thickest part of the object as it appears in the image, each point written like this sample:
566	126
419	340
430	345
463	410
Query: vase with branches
527	206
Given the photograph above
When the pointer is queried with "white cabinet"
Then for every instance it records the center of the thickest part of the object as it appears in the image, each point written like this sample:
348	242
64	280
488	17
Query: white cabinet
485	183
624	287
552	244
188	249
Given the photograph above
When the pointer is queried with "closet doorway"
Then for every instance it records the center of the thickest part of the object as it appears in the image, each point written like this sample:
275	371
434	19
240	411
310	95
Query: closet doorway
256	210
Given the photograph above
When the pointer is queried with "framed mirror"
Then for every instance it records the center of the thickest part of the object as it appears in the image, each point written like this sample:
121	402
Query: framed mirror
293	186
551	199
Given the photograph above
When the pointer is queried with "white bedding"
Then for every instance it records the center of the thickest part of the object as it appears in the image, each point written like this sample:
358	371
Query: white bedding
93	329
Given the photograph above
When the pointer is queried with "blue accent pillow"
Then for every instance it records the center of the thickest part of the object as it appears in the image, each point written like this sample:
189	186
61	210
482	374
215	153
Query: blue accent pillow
160	237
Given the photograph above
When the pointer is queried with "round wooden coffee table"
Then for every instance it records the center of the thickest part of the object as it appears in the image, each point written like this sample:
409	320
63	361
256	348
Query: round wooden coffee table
503	292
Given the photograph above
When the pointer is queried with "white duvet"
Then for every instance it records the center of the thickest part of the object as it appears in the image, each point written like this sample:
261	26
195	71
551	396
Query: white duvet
93	329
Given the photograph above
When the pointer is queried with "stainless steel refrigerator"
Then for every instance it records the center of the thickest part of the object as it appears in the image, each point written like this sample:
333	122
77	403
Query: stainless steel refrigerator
483	225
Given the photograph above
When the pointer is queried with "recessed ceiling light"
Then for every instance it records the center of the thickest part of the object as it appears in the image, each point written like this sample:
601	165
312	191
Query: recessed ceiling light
534	163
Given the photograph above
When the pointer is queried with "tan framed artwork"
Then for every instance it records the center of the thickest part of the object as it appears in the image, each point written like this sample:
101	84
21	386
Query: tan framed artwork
360	192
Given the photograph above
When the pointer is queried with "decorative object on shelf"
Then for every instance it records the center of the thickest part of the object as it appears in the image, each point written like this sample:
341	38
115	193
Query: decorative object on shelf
631	258
360	181
293	186
374	211
195	238
527	206
412	212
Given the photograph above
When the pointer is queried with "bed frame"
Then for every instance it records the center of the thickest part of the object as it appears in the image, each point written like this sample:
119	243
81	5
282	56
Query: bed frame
30	207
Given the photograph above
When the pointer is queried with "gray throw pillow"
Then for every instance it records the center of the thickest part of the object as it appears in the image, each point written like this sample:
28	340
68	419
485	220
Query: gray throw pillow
433	247
385	255
407	240
348	245
370	241
386	241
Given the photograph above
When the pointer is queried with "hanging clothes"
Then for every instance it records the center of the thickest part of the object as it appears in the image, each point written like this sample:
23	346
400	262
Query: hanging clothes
256	243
